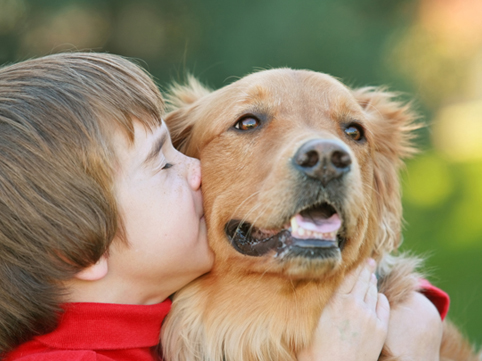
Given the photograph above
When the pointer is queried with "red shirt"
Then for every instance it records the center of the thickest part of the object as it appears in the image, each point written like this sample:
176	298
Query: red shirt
99	332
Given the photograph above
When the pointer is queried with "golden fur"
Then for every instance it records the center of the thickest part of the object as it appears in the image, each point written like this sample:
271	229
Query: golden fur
266	308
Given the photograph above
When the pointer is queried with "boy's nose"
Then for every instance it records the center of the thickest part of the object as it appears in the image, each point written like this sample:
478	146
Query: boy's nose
194	174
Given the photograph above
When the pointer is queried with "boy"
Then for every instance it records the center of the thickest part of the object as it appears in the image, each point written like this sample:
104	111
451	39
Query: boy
101	218
85	197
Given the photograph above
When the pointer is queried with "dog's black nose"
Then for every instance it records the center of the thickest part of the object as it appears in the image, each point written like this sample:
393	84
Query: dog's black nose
323	159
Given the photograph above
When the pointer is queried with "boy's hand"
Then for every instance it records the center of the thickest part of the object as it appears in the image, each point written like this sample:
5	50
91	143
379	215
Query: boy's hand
354	323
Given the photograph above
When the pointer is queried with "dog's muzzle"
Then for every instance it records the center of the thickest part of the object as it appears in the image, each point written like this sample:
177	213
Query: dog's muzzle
316	230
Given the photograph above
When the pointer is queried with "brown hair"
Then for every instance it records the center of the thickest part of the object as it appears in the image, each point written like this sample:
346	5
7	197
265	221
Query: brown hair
57	210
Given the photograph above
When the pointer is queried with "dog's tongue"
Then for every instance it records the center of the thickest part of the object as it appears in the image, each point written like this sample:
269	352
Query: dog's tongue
319	224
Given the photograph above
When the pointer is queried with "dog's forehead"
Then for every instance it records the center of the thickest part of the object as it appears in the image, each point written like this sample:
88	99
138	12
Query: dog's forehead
285	88
285	95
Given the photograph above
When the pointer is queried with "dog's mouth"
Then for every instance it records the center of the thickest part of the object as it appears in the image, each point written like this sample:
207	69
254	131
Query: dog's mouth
314	232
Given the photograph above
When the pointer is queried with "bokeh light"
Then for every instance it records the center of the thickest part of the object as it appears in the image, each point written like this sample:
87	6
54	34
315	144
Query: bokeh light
429	181
457	131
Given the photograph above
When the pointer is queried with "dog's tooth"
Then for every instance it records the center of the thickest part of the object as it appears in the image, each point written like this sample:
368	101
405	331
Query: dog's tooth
294	225
329	236
318	235
301	231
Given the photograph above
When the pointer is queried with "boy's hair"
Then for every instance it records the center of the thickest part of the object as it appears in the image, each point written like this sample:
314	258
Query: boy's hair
58	213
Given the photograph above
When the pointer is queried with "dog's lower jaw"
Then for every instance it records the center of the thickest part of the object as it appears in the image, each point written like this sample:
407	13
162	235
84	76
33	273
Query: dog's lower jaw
263	319
301	268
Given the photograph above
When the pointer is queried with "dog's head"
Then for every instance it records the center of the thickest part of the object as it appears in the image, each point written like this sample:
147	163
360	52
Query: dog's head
300	173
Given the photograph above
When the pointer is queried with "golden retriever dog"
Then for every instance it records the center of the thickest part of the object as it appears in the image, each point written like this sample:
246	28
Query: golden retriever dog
300	184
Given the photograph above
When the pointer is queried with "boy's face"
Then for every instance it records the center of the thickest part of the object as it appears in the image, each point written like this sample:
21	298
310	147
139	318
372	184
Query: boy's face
159	196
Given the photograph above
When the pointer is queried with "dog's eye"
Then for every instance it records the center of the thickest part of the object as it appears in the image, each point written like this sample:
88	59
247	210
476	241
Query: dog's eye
355	132
247	123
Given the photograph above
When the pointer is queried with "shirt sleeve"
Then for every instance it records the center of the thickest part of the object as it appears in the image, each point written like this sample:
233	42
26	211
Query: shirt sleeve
439	298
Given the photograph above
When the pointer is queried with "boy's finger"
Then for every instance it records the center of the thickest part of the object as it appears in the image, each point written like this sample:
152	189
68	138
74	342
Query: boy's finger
383	309
363	282
351	278
371	297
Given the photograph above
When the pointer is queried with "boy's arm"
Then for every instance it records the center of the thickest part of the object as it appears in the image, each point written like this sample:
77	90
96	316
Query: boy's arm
414	330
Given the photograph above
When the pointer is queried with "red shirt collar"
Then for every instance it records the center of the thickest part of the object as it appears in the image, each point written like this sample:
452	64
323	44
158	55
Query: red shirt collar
107	326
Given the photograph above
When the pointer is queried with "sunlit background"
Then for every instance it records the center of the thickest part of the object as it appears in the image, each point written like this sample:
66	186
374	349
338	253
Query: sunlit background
429	49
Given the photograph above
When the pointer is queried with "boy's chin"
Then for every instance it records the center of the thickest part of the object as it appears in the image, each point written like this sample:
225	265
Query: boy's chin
206	262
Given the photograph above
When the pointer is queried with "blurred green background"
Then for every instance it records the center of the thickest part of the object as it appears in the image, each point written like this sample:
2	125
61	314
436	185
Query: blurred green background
429	49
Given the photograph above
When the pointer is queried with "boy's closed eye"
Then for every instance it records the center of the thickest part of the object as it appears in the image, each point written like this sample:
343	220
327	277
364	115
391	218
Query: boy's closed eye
162	165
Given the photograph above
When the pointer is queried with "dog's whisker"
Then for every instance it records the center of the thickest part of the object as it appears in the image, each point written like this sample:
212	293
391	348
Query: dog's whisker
260	213
243	203
246	216
266	271
372	188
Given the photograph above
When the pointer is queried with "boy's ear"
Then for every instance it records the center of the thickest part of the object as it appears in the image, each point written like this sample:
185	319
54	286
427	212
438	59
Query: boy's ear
392	124
94	272
181	102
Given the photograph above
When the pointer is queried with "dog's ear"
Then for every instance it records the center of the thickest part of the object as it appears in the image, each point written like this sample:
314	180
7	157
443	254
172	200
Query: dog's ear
392	125
181	100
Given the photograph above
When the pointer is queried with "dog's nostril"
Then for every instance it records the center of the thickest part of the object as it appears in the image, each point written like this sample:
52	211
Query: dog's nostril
340	159
308	159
